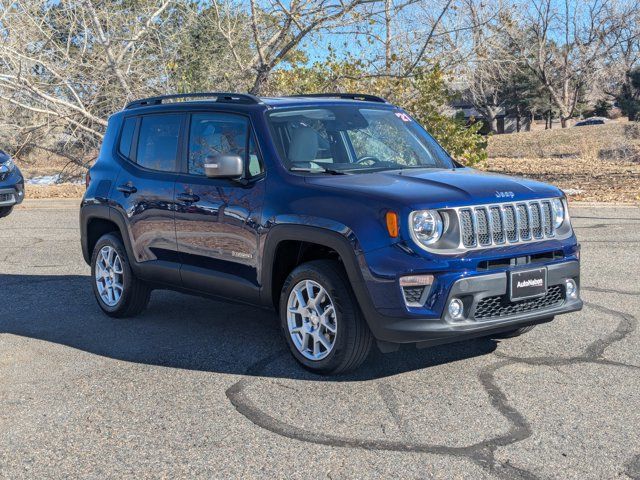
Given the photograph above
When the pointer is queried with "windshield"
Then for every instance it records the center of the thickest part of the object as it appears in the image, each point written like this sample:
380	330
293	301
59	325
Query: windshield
350	139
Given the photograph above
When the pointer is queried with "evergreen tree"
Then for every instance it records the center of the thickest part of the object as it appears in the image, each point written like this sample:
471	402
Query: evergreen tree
628	98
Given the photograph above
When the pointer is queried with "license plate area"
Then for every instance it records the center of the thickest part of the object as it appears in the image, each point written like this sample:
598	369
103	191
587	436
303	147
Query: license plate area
524	284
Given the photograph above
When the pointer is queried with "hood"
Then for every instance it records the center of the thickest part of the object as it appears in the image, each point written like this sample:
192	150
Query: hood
431	188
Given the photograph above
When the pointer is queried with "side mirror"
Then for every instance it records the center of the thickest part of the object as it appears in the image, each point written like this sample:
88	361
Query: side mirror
224	166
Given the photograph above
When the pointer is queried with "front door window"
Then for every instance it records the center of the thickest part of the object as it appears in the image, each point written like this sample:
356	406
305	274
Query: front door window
214	134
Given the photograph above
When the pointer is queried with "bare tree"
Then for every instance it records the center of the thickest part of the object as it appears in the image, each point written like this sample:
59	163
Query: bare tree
485	94
400	38
71	64
490	63
565	44
624	58
392	37
278	28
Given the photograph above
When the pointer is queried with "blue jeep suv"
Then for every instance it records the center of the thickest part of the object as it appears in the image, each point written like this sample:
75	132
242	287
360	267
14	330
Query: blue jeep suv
11	184
338	211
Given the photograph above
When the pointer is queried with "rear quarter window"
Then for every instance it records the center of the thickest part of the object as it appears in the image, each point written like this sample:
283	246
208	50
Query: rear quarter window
158	142
126	137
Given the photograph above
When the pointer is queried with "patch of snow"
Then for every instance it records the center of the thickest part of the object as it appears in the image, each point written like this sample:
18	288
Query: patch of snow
573	191
44	180
52	180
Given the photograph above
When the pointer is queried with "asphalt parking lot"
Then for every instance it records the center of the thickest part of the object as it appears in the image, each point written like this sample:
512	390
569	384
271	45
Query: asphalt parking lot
196	388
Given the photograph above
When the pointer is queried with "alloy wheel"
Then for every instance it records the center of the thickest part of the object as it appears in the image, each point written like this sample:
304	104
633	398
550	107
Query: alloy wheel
312	320
109	276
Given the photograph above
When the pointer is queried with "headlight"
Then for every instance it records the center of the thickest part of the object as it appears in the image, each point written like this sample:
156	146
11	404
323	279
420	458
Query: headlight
557	212
426	226
7	166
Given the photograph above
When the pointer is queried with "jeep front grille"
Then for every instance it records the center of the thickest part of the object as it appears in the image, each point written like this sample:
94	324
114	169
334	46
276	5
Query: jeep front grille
502	223
546	213
510	223
497	226
468	232
501	306
484	232
523	221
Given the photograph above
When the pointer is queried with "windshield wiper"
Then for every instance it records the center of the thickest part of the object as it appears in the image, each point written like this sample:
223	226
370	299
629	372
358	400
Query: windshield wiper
420	167
411	167
330	171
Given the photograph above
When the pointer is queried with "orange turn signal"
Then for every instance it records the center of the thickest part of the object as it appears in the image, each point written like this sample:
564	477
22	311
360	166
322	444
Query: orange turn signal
392	224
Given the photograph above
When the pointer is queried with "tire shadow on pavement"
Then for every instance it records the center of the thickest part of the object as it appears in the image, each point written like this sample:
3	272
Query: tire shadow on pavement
183	331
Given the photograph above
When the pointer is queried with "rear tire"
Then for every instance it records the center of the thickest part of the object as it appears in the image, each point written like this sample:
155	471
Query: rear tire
118	292
4	211
325	330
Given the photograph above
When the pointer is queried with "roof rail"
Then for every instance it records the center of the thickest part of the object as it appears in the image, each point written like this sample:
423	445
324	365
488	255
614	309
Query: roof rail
220	97
348	96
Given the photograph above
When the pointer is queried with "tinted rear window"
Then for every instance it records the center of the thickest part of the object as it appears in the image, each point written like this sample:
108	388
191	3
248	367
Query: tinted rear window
158	142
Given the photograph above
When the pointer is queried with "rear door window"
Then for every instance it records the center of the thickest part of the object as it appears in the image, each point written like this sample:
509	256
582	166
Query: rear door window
158	142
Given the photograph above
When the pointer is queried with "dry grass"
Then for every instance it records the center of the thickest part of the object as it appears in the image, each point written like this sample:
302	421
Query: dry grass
63	190
39	163
582	179
610	142
596	163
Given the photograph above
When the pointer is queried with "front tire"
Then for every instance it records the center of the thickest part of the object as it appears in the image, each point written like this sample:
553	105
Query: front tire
118	292
321	320
5	211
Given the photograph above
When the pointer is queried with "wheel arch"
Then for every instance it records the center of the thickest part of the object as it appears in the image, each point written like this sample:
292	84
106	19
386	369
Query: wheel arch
346	248
97	220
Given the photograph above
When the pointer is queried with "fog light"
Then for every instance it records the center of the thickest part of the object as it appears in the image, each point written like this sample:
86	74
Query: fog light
456	308
571	288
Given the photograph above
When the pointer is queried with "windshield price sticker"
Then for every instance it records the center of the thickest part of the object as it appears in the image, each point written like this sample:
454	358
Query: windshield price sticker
403	116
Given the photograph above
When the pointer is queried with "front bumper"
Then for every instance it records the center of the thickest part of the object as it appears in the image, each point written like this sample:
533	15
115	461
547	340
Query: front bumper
11	189
473	290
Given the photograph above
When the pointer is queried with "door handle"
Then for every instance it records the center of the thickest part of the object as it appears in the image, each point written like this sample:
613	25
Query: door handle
188	197
127	188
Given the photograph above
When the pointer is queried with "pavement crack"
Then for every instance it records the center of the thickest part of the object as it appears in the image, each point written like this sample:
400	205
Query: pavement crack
24	280
611	290
609	241
595	226
11	252
626	219
627	325
632	468
481	453
594	352
390	400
